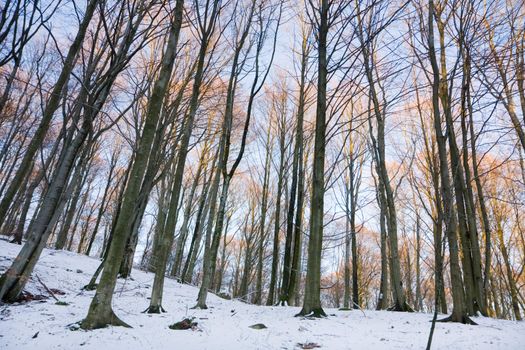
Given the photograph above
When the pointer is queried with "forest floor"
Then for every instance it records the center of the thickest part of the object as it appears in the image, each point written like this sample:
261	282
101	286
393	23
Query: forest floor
44	324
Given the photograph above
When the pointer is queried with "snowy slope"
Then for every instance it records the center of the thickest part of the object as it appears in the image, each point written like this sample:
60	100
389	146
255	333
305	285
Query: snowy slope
224	326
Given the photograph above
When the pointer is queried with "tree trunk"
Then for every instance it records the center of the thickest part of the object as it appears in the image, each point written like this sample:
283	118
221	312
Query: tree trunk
181	241
382	302
247	268
100	313
459	313
262	227
210	254
15	278
103	207
388	200
211	209
78	180
346	295
508	269
299	150
277	221
419	300
295	274
169	230
312	296
52	105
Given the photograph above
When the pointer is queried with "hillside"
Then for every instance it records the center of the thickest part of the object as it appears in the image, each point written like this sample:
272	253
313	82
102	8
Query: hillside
42	324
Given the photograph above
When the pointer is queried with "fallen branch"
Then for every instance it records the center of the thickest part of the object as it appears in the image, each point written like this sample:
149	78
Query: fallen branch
47	289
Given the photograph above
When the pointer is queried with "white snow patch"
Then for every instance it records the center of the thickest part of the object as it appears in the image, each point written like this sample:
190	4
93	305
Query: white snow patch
224	326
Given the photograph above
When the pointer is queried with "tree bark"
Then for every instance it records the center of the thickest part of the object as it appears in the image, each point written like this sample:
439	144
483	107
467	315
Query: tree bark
100	313
459	313
277	218
52	105
15	278
312	296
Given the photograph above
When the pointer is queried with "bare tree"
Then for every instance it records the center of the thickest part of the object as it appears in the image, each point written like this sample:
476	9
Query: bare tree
100	311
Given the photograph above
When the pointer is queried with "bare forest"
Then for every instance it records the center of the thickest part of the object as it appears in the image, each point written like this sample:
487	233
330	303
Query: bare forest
332	154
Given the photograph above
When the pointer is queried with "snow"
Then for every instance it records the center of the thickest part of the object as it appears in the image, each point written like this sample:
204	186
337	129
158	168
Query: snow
224	326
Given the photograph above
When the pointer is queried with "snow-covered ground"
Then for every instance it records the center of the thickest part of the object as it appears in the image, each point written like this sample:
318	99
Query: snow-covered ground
45	325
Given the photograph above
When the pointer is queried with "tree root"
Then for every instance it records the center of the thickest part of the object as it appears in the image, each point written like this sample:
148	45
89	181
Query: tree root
200	306
317	312
90	286
157	309
102	321
401	308
459	319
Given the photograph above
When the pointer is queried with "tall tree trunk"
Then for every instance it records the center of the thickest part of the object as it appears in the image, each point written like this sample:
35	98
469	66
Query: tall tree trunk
181	241
299	151
295	273
419	300
78	181
277	220
202	214
52	105
346	295
436	211
85	226
14	279
210	252
508	269
126	264
388	201
485	224
162	204
218	275
212	212
30	191
247	270
287	261
103	206
262	227
382	302
312	296
161	249
459	312
466	232
166	242
100	312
